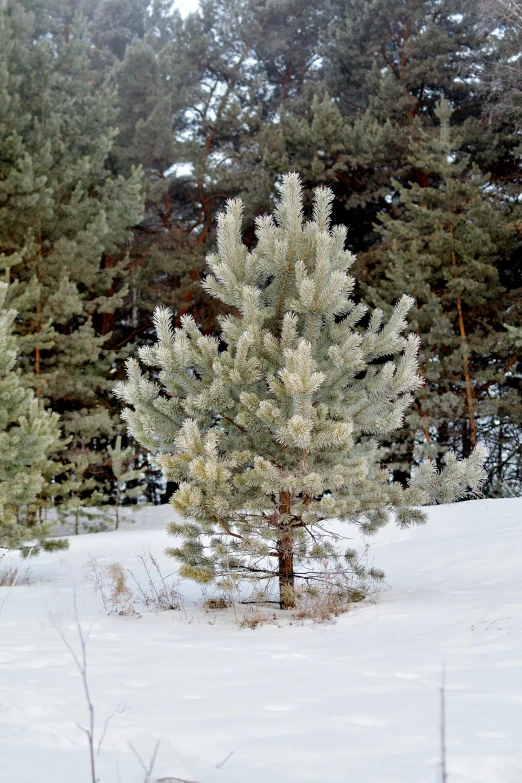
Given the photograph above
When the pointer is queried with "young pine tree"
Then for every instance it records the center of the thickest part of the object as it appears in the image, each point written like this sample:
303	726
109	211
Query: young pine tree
83	497
276	434
27	434
123	477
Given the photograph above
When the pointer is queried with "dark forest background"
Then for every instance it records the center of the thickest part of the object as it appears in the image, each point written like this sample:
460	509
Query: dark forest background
125	127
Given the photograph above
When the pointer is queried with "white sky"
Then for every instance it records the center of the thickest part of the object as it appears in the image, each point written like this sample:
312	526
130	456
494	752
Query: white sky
186	6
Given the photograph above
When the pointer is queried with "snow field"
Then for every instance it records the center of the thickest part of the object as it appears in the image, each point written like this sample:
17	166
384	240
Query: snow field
356	700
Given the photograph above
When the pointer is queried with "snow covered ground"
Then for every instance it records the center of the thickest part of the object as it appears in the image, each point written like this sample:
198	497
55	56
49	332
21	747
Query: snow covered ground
354	701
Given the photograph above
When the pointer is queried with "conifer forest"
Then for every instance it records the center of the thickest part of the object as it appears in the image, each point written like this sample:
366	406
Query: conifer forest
125	128
260	296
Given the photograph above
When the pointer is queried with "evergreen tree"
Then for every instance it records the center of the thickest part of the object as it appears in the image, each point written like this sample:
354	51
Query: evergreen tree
503	78
93	503
194	95
396	57
114	24
28	434
275	435
83	497
385	62
384	65
62	214
446	249
124	477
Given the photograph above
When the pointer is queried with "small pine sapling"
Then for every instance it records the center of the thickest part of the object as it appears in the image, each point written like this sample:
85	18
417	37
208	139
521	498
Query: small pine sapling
84	502
119	458
274	431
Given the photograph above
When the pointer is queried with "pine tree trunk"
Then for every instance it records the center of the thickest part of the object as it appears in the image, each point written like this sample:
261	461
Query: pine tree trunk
443	442
465	351
118	492
286	558
467	376
405	441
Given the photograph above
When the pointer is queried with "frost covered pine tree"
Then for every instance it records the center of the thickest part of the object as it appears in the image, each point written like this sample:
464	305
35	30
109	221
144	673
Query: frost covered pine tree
275	432
27	435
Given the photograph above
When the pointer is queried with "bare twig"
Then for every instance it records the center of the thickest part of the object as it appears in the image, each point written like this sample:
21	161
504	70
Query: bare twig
81	664
443	763
96	579
118	711
222	763
146	769
173	780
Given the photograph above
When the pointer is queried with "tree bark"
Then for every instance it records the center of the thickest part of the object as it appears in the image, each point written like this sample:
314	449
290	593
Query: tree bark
467	375
285	550
465	350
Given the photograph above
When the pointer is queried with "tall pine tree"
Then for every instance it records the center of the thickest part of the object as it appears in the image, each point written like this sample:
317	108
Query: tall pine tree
446	250
61	214
194	95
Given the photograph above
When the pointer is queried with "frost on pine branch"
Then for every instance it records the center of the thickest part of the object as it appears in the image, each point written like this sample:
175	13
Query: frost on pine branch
274	431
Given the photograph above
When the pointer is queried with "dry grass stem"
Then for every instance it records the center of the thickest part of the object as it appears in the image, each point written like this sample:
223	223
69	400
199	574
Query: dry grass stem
110	582
254	619
12	574
219	602
160	593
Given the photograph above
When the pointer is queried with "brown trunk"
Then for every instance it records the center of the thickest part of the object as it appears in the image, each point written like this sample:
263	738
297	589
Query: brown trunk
443	441
465	350
286	557
31	517
38	318
37	366
403	476
467	375
427	436
108	320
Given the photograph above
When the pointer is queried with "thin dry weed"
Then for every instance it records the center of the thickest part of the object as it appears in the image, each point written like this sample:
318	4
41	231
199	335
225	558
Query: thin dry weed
332	594
254	619
11	573
216	603
330	598
160	593
320	607
110	582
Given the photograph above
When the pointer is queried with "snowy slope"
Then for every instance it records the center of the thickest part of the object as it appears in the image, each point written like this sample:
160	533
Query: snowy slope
353	701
